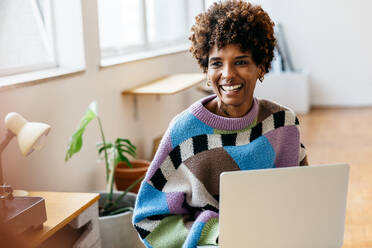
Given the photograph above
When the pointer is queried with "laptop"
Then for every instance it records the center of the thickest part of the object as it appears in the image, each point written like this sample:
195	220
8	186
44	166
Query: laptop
293	207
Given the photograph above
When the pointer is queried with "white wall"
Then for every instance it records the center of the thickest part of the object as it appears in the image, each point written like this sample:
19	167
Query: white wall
332	40
62	102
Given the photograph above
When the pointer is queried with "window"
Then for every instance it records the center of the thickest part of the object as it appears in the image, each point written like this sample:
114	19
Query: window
28	43
40	39
129	27
208	3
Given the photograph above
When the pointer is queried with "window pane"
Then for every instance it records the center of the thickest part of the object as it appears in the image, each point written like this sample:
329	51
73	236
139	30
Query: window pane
195	8
120	23
167	20
27	45
208	3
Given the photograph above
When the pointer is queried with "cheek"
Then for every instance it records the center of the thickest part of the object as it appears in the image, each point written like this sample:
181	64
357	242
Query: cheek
213	76
251	76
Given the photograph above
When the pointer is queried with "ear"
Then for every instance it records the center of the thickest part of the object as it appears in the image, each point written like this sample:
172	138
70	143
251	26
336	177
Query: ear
261	69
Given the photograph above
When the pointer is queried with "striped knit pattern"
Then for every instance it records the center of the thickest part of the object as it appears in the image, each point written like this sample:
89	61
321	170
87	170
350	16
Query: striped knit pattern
204	142
177	205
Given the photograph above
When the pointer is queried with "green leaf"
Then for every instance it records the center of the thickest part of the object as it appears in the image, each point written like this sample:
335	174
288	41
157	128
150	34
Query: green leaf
123	141
130	150
76	140
106	147
117	159
128	189
109	206
125	151
118	140
125	159
93	107
127	146
120	210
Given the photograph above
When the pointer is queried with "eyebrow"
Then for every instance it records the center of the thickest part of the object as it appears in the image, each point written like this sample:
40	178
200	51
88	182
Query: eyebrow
239	57
243	57
214	58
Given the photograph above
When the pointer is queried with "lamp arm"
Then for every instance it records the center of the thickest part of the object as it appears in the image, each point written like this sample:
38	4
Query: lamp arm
4	142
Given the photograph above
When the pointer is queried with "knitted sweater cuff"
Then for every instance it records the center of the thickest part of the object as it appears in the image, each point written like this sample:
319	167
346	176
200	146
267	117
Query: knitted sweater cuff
209	234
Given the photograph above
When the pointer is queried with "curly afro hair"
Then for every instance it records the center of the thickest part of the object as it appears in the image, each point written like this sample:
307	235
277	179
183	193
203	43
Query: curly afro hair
234	22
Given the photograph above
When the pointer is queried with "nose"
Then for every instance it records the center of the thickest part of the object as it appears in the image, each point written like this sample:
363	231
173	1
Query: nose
228	72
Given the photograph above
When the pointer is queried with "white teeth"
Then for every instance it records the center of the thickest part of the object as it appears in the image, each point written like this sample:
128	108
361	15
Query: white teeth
232	87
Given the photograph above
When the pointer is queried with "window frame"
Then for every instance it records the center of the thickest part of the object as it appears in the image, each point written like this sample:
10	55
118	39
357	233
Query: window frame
68	47
48	35
116	55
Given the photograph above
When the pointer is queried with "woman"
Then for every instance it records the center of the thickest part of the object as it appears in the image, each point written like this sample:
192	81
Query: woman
177	205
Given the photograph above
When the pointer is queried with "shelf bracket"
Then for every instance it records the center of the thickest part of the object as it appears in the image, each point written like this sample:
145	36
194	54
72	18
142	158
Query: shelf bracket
135	107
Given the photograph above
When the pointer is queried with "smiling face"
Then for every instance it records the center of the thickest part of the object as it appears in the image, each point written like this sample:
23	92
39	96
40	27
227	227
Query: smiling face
233	75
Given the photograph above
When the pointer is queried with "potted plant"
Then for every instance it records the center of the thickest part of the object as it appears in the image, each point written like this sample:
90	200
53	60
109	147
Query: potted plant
125	172
115	208
125	175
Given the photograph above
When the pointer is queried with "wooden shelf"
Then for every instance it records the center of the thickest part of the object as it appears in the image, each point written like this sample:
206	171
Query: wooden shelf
167	85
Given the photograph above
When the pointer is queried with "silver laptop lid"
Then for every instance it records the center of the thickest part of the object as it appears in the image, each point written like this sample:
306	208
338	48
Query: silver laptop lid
284	207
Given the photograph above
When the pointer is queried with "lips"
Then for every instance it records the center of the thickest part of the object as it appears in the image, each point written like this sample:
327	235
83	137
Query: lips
231	88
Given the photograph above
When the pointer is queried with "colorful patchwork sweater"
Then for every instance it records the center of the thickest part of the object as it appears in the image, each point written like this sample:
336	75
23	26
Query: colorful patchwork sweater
177	205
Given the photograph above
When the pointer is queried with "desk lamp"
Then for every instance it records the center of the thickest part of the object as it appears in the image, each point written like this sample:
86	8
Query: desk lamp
19	212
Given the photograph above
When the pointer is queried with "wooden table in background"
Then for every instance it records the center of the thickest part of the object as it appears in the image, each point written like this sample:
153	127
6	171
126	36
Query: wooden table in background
61	209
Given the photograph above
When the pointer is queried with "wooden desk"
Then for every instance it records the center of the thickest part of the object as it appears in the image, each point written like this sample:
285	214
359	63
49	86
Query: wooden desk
61	209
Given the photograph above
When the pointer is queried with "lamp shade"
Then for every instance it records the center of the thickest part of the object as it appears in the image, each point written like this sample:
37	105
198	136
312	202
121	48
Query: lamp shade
29	134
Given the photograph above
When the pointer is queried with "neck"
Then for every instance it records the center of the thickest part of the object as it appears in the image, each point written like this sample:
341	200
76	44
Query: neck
217	107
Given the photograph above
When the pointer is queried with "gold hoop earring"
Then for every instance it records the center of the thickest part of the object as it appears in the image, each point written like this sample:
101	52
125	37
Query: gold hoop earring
209	84
261	78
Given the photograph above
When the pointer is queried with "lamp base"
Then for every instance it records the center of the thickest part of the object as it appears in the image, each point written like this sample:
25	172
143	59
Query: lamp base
22	213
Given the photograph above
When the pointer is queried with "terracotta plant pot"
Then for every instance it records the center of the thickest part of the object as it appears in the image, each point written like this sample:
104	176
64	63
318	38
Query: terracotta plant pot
125	176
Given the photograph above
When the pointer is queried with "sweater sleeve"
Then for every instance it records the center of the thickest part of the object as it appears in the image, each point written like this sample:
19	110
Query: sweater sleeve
169	212
302	156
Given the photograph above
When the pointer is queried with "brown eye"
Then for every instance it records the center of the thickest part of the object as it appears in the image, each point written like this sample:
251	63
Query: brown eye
215	64
241	62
